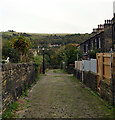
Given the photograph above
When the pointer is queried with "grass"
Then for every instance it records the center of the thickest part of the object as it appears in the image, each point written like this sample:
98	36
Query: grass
54	71
8	112
106	107
63	71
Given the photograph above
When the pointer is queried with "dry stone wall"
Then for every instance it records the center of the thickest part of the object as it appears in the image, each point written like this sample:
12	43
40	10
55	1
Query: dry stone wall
15	77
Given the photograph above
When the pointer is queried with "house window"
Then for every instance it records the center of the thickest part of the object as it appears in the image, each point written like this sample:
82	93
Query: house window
95	43
84	48
92	45
99	43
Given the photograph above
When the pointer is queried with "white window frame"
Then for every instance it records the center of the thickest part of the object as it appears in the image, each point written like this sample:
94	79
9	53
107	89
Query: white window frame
86	48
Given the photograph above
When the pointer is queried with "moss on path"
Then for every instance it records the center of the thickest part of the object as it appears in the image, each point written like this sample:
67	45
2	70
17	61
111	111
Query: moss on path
59	95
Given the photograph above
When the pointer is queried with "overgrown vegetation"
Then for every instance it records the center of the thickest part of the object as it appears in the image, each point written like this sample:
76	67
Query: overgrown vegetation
67	53
8	113
38	60
92	53
46	40
22	44
17	48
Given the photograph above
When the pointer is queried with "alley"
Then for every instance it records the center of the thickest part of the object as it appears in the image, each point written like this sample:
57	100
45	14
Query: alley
60	95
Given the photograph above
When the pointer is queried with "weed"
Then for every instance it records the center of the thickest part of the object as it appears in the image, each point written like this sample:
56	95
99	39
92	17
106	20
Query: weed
54	71
8	112
63	71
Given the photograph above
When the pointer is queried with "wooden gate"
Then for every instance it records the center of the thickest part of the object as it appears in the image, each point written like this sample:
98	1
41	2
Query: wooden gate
104	68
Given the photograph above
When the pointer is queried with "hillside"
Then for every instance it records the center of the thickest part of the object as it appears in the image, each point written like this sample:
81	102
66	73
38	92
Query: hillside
48	39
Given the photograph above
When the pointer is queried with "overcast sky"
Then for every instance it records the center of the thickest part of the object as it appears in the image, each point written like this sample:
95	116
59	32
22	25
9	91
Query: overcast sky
54	16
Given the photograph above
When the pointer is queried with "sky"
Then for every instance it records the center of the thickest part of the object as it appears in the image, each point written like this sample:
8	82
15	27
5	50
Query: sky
54	16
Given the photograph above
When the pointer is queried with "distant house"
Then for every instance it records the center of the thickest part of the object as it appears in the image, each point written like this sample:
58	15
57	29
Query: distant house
103	38
54	45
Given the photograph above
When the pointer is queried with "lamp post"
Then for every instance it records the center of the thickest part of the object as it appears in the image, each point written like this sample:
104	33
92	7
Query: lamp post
43	61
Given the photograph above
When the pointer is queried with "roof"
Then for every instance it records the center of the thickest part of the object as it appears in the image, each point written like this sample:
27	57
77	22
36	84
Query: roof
91	37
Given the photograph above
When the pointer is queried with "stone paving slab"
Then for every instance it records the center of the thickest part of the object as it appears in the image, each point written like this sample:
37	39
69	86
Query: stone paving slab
59	95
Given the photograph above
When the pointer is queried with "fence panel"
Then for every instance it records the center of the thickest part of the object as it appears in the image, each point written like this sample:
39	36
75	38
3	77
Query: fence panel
107	67
75	64
93	66
86	65
104	67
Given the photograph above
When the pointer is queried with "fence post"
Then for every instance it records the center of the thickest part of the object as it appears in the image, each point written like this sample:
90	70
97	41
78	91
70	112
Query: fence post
82	69
99	57
112	82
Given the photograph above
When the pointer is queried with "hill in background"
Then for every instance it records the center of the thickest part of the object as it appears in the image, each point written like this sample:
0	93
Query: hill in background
48	40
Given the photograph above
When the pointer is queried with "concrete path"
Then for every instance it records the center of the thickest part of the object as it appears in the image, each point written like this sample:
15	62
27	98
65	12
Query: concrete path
60	95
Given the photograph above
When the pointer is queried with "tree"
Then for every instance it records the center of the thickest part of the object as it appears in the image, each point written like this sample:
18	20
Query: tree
67	53
22	44
92	53
71	53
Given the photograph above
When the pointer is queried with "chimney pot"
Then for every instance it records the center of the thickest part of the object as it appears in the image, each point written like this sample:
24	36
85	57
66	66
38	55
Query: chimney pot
105	21
109	21
100	26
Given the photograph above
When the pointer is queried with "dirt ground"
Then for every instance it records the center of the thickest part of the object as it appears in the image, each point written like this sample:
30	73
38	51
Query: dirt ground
60	95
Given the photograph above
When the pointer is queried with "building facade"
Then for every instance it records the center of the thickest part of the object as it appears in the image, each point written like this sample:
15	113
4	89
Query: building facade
113	33
103	38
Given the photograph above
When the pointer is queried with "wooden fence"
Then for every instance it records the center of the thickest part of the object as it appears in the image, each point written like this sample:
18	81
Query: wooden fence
104	68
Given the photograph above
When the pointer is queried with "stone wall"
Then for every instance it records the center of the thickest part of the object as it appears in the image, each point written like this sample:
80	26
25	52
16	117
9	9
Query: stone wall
113	27
106	91
78	74
89	79
107	37
15	77
70	68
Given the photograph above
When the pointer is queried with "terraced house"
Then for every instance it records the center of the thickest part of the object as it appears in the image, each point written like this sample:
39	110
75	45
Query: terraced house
103	38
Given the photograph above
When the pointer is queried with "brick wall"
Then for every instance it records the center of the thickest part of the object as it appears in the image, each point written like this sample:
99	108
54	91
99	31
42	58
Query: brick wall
14	79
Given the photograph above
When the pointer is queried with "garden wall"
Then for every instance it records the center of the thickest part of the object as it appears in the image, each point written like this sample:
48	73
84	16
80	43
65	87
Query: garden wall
89	79
15	77
70	68
106	91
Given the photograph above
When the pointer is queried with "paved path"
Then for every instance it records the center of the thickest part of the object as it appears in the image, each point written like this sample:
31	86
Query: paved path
59	95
